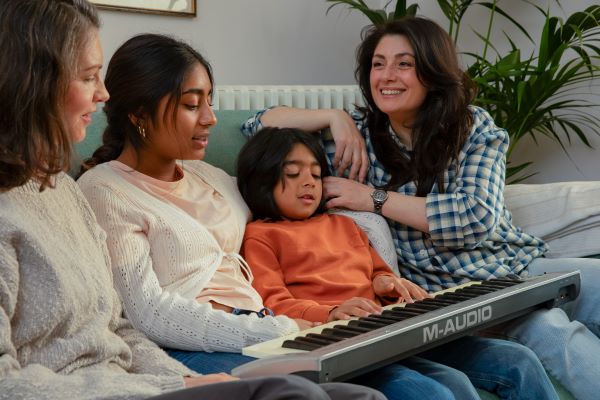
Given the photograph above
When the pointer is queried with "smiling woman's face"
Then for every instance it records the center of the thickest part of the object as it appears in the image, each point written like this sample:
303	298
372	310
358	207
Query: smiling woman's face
395	86
85	90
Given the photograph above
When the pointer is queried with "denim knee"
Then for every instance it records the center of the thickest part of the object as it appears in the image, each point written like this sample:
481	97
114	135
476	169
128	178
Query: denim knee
209	363
398	382
455	380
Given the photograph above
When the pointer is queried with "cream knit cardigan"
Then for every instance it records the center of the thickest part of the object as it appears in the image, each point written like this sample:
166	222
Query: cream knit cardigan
162	258
61	330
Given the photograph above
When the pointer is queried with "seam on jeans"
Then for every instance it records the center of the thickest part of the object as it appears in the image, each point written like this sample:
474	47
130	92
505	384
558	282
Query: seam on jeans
505	383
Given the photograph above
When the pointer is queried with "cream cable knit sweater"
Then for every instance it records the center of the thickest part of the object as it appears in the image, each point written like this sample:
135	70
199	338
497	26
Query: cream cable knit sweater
162	258
61	331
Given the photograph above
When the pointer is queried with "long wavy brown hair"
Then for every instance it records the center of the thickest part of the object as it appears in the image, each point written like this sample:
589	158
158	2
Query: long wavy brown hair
41	41
443	122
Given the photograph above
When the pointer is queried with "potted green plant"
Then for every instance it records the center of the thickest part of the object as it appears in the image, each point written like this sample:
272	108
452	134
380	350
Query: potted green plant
529	95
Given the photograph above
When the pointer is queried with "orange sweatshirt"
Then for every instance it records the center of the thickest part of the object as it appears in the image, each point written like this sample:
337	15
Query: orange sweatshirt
303	269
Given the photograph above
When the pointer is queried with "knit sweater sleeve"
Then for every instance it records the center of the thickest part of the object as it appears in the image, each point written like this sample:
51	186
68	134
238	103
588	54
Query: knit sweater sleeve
146	356
166	317
37	381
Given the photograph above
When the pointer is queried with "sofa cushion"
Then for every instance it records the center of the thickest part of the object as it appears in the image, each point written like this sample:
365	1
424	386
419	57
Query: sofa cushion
226	139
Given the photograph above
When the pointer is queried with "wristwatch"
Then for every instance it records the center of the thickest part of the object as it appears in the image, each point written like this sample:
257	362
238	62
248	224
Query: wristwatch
379	198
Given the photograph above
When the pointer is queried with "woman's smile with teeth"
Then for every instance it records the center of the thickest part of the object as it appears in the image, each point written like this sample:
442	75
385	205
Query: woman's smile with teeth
391	91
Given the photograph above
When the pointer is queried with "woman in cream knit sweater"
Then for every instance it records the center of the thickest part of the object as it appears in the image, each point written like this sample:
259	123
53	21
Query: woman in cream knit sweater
61	329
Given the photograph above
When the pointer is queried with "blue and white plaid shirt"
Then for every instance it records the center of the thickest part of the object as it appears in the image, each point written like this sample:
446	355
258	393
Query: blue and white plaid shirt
471	236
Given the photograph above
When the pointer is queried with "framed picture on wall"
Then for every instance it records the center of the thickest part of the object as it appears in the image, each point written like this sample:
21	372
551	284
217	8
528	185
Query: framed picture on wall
185	8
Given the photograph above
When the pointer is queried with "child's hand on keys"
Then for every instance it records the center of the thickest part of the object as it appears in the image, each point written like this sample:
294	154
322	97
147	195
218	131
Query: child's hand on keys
355	307
304	324
393	286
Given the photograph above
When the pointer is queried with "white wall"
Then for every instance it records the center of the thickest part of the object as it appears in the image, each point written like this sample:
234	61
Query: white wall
256	41
294	42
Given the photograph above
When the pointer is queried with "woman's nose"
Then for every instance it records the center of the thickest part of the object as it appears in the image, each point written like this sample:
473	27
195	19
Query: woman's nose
388	73
208	117
101	95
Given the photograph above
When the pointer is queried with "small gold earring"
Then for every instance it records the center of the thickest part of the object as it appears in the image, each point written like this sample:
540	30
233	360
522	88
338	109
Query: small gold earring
141	131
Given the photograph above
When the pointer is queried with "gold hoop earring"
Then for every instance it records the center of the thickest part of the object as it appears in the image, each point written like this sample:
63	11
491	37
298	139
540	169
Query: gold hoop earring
142	131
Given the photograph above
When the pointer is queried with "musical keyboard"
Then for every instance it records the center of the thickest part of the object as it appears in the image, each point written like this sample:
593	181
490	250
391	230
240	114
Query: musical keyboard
341	350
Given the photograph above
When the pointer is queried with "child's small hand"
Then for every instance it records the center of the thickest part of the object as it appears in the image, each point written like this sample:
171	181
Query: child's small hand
355	307
393	286
304	324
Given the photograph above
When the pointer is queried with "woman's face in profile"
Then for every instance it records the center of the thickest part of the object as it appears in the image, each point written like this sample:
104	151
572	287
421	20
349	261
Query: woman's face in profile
396	89
85	90
186	138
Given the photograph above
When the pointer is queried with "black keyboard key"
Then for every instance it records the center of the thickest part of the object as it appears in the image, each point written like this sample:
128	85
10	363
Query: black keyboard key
338	333
299	345
421	306
364	324
377	319
442	302
402	312
456	296
479	290
356	329
321	336
393	315
502	282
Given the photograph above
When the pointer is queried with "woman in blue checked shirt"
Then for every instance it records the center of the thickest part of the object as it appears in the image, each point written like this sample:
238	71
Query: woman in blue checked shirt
434	167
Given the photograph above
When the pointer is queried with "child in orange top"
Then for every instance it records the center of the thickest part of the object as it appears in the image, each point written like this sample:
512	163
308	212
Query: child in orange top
320	267
308	264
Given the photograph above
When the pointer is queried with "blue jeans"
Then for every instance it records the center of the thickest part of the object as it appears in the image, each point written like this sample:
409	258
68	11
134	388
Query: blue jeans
566	342
396	381
447	372
508	369
209	363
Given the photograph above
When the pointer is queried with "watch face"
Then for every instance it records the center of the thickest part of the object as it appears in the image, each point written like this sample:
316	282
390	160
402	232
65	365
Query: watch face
379	195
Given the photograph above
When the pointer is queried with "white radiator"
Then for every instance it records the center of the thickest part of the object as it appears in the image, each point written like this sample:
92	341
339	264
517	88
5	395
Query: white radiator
237	97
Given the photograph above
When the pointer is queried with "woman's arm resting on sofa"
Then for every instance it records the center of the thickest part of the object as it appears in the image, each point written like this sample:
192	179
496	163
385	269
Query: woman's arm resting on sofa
350	146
